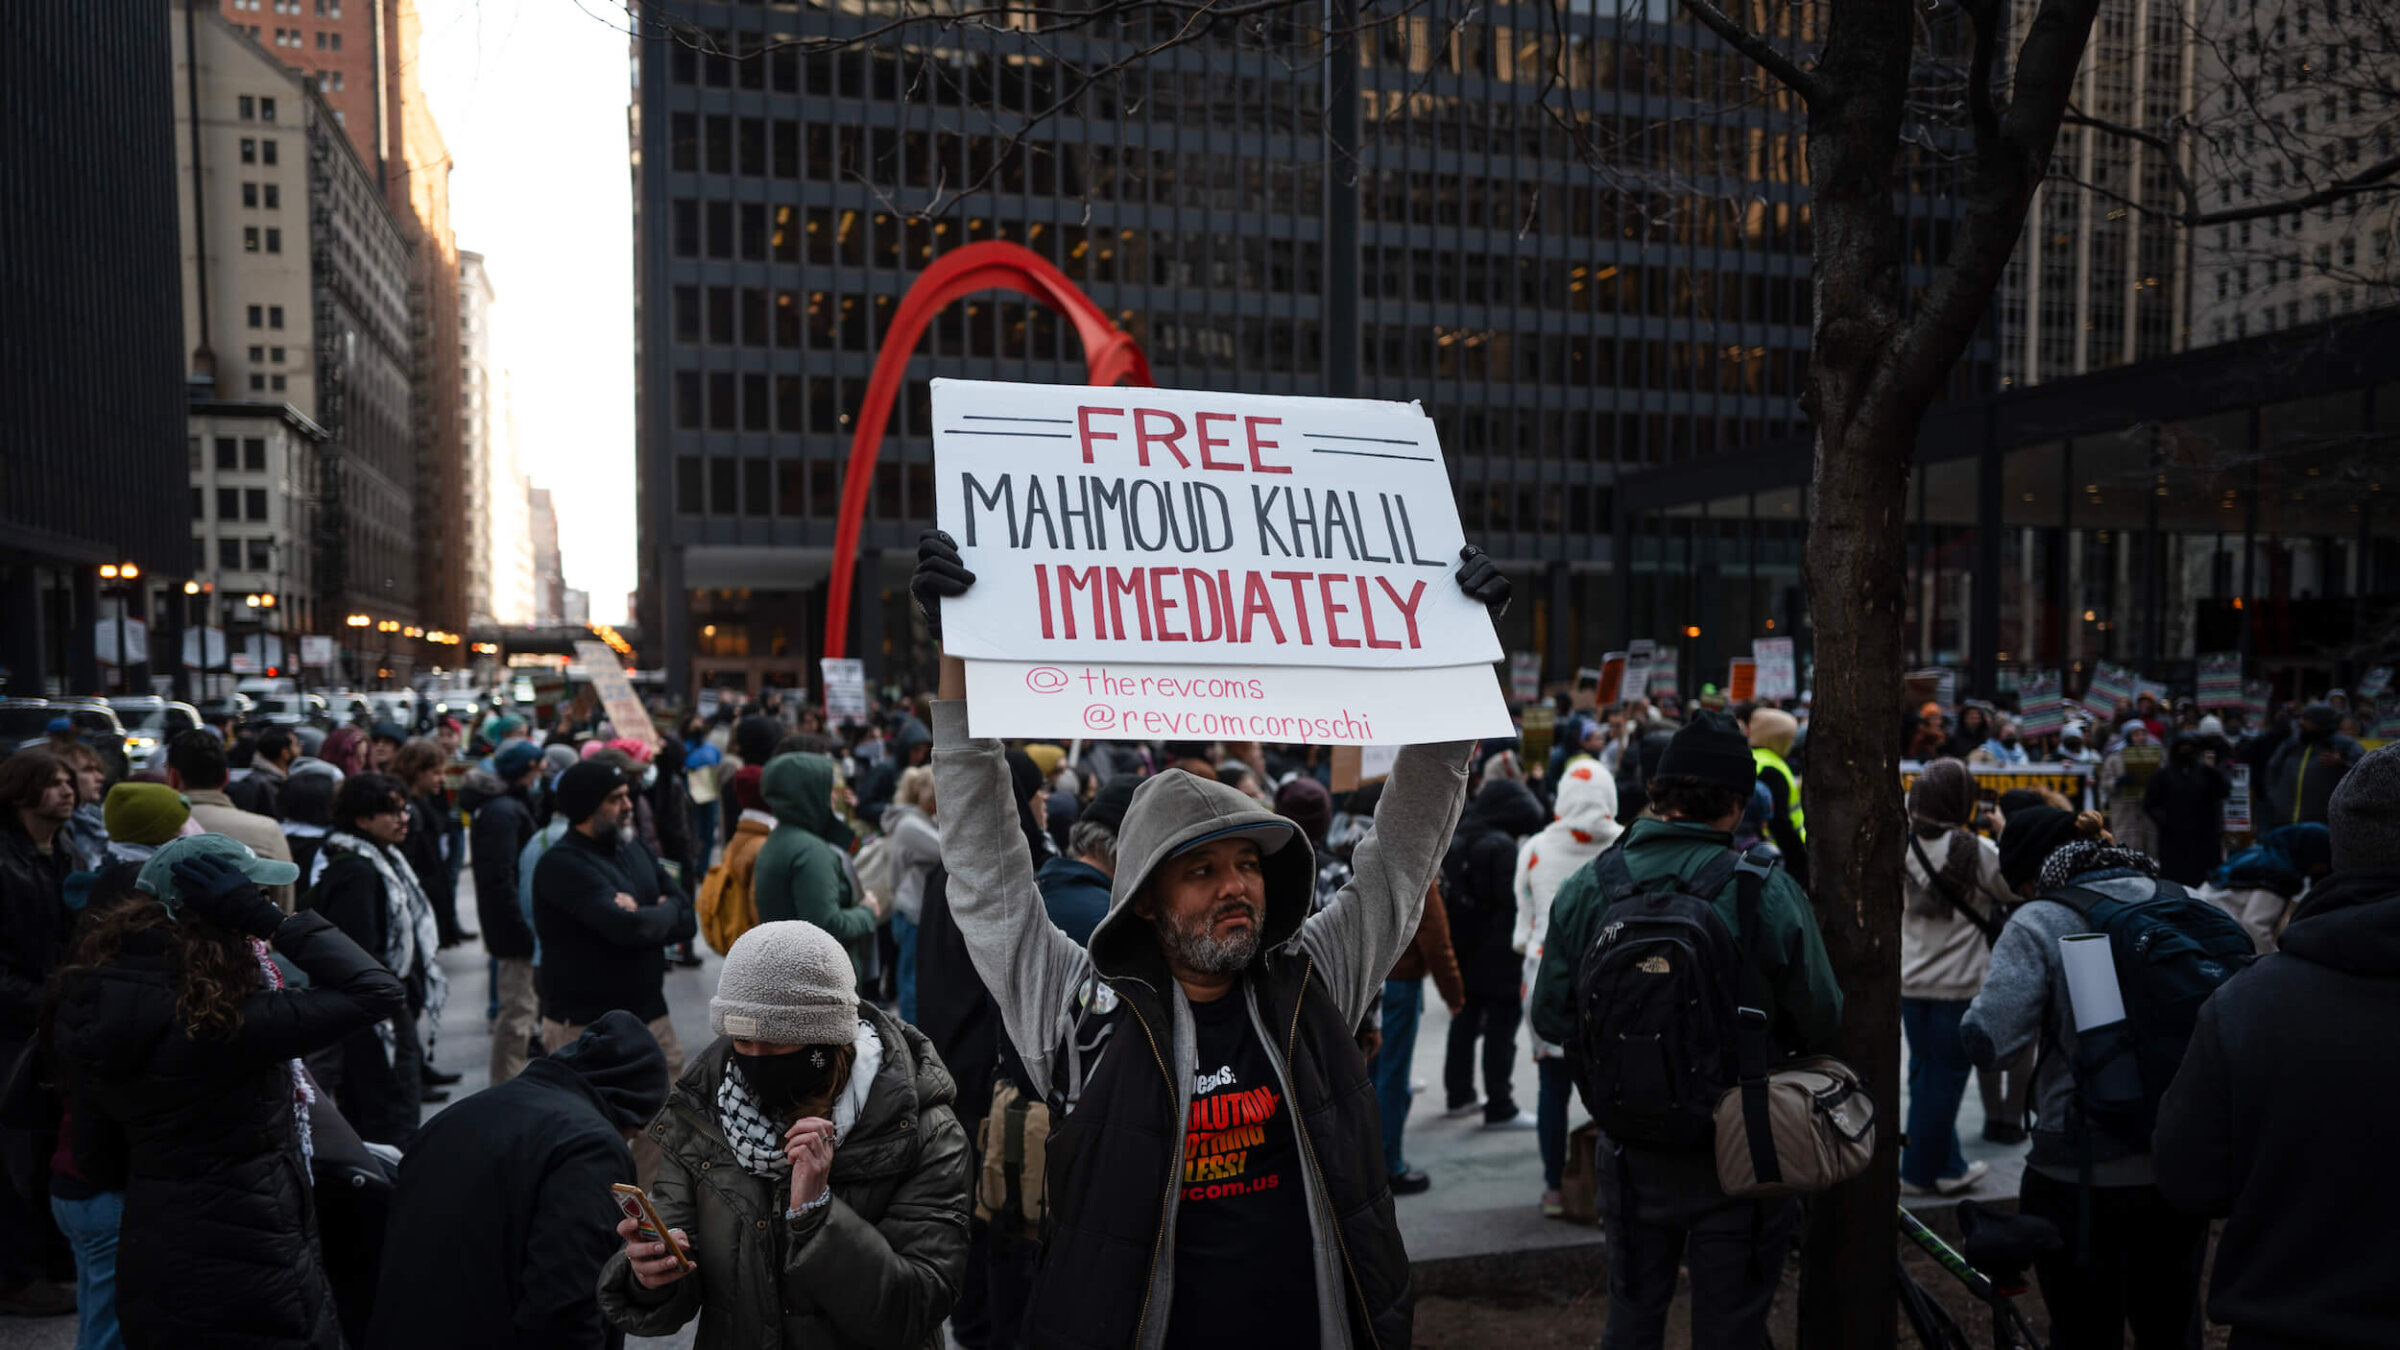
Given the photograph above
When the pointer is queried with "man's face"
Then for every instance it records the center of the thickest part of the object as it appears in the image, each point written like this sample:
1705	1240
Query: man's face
90	781
387	826
1208	905
448	735
57	802
613	810
379	755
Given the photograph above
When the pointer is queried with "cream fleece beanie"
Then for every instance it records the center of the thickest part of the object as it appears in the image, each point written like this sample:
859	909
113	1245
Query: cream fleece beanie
789	983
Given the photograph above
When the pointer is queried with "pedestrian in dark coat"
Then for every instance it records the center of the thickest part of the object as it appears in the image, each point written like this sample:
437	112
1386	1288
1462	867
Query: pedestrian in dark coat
501	804
172	1023
1479	879
2186	801
419	765
2288	1068
368	889
504	1217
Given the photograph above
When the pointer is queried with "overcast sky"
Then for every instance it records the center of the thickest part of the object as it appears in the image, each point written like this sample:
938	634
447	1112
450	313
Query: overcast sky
531	96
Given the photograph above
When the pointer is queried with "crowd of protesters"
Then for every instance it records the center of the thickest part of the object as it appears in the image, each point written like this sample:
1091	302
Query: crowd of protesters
955	976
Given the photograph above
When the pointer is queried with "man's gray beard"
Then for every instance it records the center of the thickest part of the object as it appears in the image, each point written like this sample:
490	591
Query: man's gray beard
1196	946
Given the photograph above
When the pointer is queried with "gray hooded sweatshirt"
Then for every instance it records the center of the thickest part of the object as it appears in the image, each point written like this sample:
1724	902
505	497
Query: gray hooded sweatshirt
1036	972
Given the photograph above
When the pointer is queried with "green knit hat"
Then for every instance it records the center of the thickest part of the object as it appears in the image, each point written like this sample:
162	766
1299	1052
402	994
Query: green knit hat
144	813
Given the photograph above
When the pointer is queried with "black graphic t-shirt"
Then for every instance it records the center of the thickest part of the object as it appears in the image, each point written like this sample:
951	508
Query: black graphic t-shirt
1243	1271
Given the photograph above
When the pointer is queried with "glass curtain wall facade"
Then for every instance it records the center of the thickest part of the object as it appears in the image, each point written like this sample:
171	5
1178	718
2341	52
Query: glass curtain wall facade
2239	498
1583	244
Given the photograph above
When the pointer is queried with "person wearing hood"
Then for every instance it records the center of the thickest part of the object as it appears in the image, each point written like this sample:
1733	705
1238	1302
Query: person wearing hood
1661	1206
2186	801
172	1022
605	911
913	852
1585	827
815	1175
2099	1188
1772	732
800	873
1479	890
1275	1226
2073	748
1075	886
2259	885
500	815
728	894
2287	1078
502	1218
2308	767
1974	728
1952	895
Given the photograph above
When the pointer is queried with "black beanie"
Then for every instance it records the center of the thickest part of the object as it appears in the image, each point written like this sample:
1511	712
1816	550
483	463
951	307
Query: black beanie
1109	804
2028	840
581	789
618	1058
1712	748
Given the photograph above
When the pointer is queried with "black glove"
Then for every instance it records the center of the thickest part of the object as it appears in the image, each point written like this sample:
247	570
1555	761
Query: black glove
939	574
1482	581
217	891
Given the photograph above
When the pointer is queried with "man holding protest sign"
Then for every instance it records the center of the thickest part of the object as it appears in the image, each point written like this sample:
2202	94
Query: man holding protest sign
1276	1226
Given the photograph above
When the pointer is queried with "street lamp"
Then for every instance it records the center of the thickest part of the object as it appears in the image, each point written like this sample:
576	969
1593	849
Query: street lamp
122	573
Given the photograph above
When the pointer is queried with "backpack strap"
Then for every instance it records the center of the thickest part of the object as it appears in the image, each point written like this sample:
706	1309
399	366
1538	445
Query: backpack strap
1753	1039
1614	876
1988	925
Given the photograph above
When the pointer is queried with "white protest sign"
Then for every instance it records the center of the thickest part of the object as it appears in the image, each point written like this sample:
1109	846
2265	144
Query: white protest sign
1778	675
1315	705
1182	526
845	689
615	690
316	650
1640	656
1524	676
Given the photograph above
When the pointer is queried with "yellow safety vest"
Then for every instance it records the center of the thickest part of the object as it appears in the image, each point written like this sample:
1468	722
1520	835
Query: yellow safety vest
1768	759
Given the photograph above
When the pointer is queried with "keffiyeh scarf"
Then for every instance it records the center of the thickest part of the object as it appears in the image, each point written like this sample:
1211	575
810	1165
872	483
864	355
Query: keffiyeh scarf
409	935
757	1141
2090	855
304	1093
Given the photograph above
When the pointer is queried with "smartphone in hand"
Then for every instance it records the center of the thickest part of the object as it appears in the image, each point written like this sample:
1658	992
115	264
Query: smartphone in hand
635	1204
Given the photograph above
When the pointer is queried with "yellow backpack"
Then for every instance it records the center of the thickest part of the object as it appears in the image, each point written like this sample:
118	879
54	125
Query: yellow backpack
727	910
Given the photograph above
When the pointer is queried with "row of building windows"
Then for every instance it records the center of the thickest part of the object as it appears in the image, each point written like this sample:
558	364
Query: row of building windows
232	503
255	151
266	316
886	157
1536	58
326	9
236	555
234	454
2322	306
269	195
253	236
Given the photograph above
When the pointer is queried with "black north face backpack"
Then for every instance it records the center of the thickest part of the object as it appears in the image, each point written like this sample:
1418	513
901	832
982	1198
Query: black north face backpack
1658	997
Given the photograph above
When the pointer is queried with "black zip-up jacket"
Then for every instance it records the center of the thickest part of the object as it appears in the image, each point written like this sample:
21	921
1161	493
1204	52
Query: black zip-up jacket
502	824
2279	1117
34	922
595	956
1479	878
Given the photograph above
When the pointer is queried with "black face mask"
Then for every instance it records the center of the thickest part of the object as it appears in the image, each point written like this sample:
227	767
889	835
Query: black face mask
781	1082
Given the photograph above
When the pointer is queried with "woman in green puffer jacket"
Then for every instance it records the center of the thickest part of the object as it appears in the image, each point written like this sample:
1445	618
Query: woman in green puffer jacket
813	1169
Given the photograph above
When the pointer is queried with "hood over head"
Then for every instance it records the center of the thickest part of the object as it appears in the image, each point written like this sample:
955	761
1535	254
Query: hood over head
1175	809
620	1061
2350	922
1773	729
2320	719
1587	802
1506	805
798	789
912	733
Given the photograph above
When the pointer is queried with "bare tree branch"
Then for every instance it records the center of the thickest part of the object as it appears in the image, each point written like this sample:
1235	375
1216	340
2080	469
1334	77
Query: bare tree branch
1764	54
